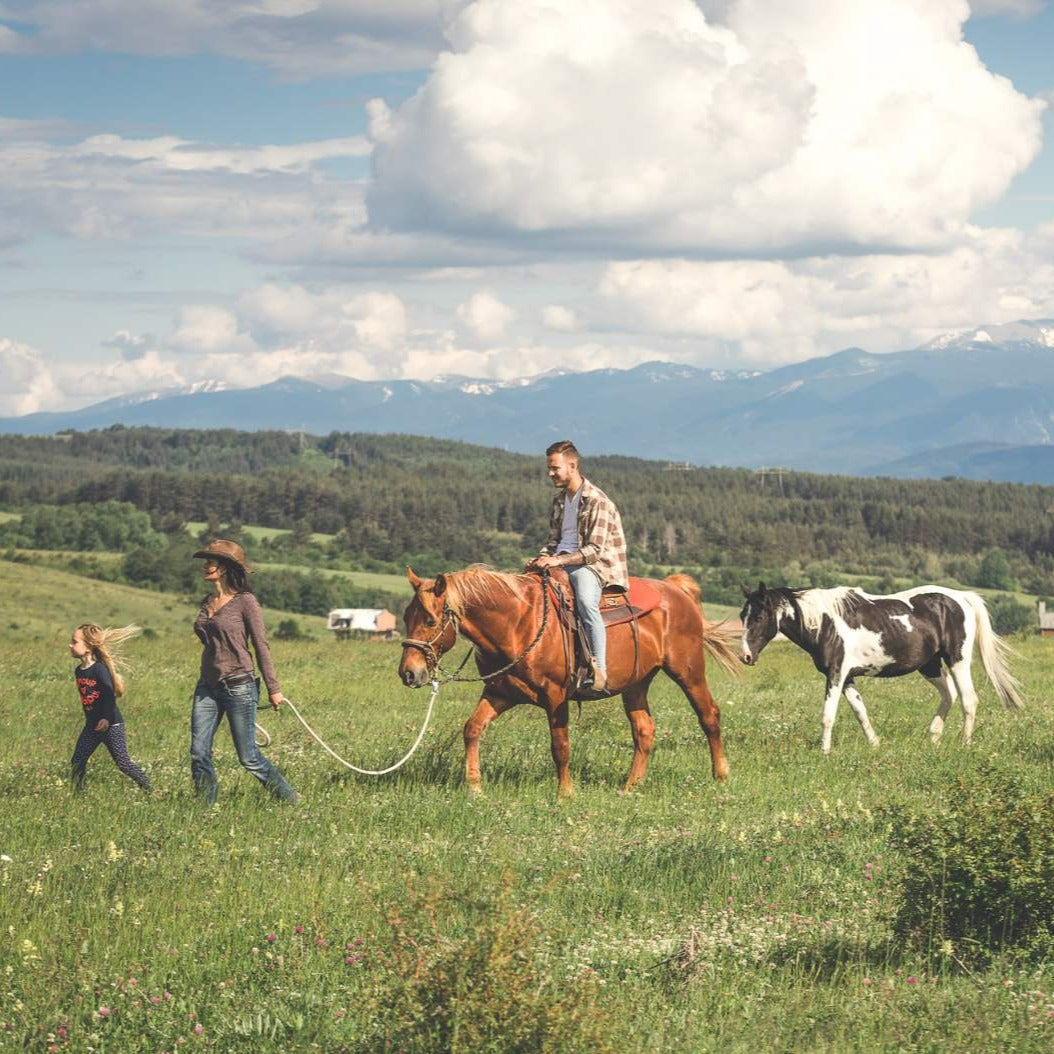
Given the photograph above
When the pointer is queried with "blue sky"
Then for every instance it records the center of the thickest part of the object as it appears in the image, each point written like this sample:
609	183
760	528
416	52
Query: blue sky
404	188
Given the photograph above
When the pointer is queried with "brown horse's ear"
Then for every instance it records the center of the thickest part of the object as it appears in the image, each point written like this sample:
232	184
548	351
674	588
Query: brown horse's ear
440	587
761	586
745	588
412	578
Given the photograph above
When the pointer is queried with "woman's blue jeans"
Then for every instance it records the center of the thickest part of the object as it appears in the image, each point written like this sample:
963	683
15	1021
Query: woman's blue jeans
239	704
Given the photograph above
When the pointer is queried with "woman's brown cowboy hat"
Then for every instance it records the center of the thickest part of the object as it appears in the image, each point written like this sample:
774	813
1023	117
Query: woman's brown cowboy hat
226	550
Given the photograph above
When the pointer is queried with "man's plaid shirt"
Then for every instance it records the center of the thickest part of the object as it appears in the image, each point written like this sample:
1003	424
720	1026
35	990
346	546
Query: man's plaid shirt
600	538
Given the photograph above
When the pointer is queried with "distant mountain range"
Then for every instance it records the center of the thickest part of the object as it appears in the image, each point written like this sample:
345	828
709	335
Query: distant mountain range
978	404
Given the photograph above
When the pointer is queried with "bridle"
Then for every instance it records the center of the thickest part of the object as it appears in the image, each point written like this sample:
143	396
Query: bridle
448	618
427	647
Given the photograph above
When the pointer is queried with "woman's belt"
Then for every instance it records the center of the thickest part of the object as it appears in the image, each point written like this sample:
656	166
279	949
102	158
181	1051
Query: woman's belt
233	680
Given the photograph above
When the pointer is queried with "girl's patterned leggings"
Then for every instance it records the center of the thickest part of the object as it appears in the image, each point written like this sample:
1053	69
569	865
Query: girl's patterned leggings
116	744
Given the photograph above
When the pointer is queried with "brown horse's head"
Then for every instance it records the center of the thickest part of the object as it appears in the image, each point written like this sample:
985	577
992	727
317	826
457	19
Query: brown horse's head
430	630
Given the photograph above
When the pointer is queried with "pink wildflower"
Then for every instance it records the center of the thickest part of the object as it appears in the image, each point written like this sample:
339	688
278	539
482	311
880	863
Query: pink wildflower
198	1029
104	1011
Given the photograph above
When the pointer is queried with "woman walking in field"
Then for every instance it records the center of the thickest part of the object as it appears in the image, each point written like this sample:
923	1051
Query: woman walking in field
227	621
99	685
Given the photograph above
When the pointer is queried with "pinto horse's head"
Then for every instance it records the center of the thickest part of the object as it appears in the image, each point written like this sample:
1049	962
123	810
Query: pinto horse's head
760	616
430	630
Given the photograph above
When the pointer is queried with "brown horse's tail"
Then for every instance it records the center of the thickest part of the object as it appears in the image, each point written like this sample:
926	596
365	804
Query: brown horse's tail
719	639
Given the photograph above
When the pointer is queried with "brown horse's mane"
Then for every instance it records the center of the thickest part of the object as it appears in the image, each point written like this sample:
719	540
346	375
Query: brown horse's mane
480	584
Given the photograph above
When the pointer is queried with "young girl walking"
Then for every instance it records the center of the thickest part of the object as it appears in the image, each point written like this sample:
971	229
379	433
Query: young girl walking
99	684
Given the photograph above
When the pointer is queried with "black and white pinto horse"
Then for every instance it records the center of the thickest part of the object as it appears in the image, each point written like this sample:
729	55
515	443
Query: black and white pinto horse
849	634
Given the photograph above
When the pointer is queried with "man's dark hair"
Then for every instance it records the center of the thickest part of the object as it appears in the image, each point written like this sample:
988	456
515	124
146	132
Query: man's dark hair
563	446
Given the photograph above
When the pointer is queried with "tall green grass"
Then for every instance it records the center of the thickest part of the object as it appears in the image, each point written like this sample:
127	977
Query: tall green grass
689	916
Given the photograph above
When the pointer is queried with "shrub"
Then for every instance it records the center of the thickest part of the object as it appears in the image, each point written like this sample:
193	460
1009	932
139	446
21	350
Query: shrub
980	868
288	629
490	989
1010	616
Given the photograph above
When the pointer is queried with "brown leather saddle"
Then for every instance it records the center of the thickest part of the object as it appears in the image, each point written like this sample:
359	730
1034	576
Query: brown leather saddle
616	607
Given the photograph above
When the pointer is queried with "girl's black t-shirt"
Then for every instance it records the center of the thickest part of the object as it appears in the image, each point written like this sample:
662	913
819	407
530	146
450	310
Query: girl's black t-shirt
97	695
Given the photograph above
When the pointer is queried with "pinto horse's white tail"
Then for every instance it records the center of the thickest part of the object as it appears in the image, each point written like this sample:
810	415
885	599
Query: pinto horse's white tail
994	654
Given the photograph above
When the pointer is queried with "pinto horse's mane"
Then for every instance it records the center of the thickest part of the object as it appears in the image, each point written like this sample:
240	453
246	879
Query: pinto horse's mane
480	584
815	603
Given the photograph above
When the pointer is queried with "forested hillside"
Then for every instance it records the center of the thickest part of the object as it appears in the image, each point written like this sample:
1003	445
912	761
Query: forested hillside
393	499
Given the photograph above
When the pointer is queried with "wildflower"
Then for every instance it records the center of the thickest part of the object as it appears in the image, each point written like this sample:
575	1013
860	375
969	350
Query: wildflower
5	859
198	1029
271	938
155	999
912	979
168	995
298	930
104	1011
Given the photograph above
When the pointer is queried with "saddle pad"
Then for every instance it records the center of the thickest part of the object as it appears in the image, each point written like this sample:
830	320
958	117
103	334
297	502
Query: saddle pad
616	607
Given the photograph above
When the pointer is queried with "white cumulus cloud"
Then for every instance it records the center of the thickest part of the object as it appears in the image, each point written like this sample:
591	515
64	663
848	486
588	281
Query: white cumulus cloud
772	127
559	318
26	383
776	311
485	317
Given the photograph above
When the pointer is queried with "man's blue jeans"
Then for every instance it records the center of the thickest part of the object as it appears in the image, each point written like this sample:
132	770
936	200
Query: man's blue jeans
587	600
239	704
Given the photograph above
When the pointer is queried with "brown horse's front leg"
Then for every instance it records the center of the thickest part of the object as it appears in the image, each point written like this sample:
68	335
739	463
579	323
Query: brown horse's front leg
485	712
561	746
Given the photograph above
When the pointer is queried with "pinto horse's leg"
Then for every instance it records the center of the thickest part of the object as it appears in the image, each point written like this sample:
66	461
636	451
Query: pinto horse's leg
561	747
486	710
960	672
642	724
830	709
938	676
857	703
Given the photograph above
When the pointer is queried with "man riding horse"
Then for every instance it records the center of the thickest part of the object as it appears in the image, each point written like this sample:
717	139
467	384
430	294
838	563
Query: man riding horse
585	538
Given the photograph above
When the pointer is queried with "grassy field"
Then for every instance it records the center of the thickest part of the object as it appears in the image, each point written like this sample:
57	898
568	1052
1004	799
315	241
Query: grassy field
400	914
256	532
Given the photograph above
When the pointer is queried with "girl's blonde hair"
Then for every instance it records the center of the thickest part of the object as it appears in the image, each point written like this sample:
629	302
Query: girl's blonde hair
105	645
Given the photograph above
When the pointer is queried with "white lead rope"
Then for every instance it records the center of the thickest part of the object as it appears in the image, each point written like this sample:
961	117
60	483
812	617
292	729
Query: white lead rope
371	772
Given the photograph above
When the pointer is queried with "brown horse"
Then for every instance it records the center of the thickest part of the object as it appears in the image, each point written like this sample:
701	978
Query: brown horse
524	655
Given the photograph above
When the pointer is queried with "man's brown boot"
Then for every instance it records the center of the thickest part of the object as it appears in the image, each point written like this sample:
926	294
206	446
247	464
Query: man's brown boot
600	680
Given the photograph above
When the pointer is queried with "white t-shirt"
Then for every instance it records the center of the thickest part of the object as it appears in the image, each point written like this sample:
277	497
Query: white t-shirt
569	527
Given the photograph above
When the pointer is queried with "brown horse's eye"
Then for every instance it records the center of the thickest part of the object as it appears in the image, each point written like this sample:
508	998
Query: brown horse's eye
430	621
